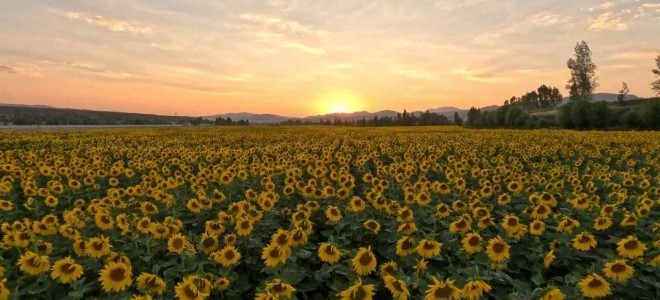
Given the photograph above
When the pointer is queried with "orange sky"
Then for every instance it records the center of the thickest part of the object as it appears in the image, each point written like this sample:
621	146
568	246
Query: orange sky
299	58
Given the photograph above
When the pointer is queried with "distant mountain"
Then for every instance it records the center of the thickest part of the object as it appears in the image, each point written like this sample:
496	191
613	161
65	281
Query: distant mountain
607	97
17	114
25	105
447	111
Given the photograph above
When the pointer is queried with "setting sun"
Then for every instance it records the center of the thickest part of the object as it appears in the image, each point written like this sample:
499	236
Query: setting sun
339	103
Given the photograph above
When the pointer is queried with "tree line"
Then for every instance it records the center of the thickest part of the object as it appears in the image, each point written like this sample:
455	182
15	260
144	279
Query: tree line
581	112
425	118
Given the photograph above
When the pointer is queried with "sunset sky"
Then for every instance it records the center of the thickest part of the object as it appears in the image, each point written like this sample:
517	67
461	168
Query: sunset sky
307	57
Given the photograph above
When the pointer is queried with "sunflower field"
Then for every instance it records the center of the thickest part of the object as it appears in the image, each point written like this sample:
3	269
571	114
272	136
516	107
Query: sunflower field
329	213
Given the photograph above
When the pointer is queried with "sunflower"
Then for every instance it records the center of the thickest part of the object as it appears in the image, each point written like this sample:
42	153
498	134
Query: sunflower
358	291
364	261
515	187
497	250
33	264
298	237
159	231
428	248
461	225
372	225
230	239
421	267
265	296
214	227
584	242
328	253
209	243
474	289
4	291
97	247
405	214
553	294
221	283
356	204
472	243
280	288
408	228
630	247
150	284
104	221
397	287
548	258
281	238
567	225
388	269
244	227
143	224
187	290
227	256
442	290
511	224
274	255
442	211
405	246
115	277
485	222
536	227
540	212
333	214
177	243
594	286
6	205
66	270
629	219
503	199
618	270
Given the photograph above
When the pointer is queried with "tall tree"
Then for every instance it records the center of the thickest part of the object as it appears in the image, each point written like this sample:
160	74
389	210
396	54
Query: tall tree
623	92
548	96
583	80
457	119
656	83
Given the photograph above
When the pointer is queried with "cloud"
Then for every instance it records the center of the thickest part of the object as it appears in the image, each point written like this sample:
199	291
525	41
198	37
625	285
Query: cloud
415	73
21	69
456	4
114	25
478	75
635	55
284	33
608	22
284	5
548	19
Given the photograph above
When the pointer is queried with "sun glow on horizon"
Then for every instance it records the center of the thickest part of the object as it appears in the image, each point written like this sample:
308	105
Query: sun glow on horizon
339	103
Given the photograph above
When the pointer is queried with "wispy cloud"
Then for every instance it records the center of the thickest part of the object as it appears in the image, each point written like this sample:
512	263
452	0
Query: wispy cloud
111	24
635	55
478	75
608	22
282	33
21	69
548	19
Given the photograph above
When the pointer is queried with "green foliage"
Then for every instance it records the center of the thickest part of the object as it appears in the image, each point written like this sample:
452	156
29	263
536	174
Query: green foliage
583	79
656	84
623	92
650	114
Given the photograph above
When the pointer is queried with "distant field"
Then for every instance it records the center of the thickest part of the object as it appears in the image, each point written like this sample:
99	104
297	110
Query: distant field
327	212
